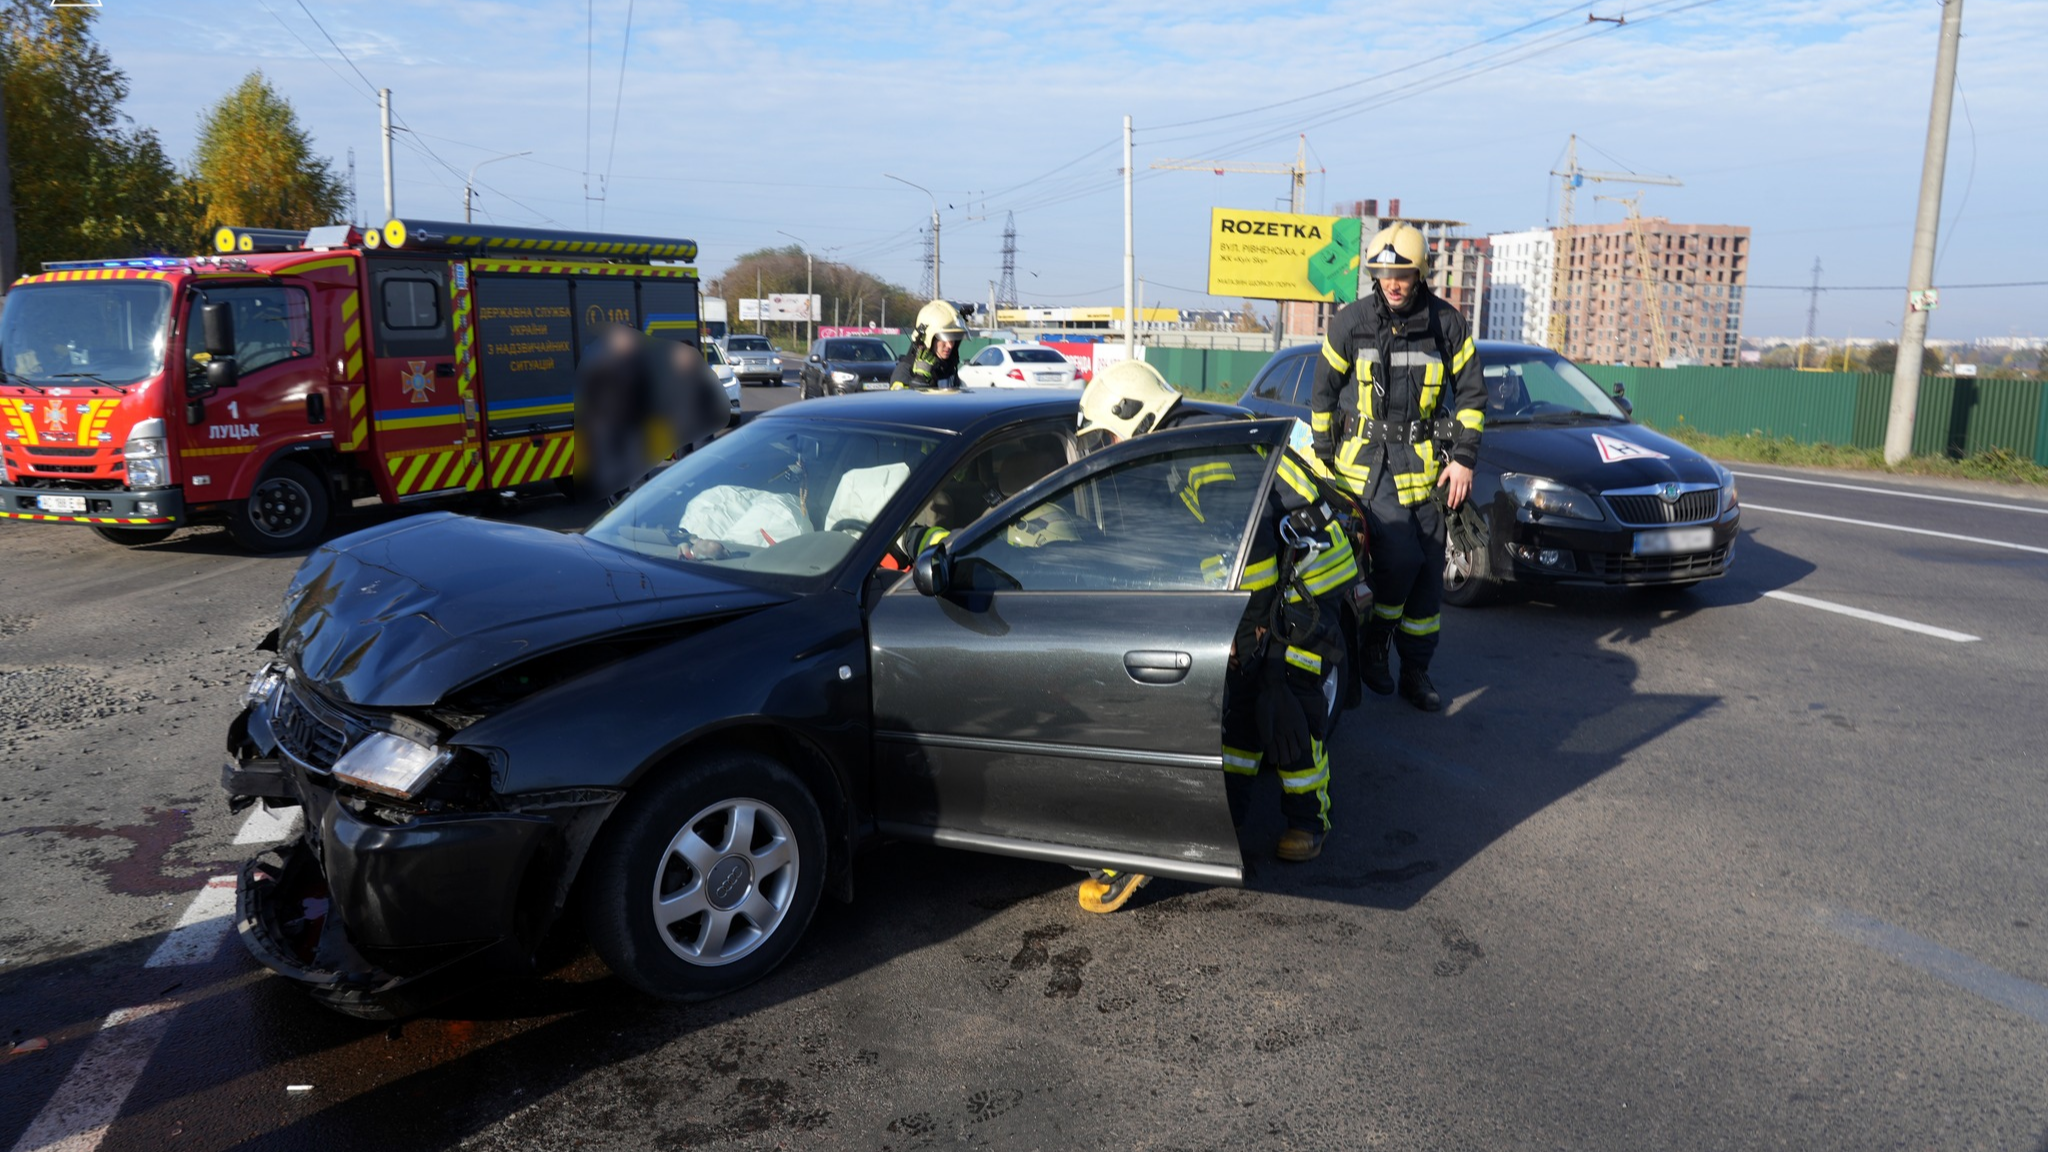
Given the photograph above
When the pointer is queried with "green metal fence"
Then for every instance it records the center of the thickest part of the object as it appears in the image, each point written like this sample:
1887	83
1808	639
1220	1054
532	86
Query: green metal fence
1957	416
1211	373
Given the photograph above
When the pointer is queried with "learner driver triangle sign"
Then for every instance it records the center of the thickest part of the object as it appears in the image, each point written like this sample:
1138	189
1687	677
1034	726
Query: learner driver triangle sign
1614	450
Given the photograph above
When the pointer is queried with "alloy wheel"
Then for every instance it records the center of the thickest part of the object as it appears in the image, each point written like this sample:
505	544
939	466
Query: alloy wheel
726	881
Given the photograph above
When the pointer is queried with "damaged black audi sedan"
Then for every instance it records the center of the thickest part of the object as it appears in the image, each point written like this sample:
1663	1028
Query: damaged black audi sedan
682	723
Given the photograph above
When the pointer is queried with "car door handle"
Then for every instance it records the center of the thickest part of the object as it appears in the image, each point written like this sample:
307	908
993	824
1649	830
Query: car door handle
1155	667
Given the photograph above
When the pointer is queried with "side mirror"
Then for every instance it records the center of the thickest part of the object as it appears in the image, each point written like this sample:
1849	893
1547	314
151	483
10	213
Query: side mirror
1621	402
217	321
815	358
222	373
933	572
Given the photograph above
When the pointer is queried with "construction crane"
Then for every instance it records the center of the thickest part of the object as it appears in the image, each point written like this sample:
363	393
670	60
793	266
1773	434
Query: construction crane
1653	290
1298	170
1574	176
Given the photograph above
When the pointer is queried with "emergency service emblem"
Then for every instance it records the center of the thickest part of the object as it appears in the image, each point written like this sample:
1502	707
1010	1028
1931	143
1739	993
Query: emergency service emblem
1614	450
417	384
57	418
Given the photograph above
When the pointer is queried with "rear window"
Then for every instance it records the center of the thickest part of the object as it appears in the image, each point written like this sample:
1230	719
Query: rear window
1036	356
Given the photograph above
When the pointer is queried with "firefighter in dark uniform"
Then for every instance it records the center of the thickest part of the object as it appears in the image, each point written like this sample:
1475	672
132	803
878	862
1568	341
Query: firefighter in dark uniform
934	357
1383	425
1280	690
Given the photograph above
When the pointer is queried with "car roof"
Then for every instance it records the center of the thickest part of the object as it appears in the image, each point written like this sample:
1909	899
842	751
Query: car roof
1007	346
966	411
1484	346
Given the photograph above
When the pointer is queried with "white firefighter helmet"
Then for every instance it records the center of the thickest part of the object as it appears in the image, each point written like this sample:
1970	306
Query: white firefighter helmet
1397	248
1129	398
1045	524
937	320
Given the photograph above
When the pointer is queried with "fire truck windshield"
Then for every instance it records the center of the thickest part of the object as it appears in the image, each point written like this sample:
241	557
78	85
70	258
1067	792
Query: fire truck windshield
85	331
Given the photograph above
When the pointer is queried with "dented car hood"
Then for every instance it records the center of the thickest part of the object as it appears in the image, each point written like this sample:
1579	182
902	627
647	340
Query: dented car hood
400	615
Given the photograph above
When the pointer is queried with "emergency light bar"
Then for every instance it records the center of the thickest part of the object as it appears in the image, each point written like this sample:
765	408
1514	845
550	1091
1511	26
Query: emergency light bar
230	240
441	236
143	262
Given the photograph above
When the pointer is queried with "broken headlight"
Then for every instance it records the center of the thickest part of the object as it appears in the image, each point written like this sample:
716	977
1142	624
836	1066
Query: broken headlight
392	764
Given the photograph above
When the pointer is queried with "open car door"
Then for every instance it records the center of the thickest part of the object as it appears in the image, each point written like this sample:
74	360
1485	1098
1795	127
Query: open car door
1051	683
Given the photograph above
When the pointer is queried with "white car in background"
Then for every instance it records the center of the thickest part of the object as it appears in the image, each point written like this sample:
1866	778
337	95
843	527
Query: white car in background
722	368
1019	366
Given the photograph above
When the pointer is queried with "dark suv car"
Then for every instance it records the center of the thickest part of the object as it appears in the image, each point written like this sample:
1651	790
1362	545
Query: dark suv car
1568	488
845	364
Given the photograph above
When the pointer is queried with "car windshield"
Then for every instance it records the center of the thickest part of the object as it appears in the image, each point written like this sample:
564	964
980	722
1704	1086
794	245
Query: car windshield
749	344
1527	385
112	330
774	498
1036	356
859	351
712	355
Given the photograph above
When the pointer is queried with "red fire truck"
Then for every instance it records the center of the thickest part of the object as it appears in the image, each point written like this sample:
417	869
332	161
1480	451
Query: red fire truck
259	386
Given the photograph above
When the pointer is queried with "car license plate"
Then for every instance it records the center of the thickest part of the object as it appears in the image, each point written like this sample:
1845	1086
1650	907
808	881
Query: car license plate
1048	375
1669	541
73	504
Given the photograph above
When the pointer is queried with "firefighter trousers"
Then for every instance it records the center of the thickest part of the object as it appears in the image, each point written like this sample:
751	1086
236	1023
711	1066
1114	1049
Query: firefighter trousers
1407	576
1304	784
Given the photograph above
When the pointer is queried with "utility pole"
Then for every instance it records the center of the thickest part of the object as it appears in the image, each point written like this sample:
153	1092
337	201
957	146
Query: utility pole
10	250
1812	311
469	185
937	292
1920	295
1130	257
384	105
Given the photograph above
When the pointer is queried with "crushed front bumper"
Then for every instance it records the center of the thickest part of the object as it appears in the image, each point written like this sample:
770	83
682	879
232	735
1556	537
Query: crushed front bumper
379	914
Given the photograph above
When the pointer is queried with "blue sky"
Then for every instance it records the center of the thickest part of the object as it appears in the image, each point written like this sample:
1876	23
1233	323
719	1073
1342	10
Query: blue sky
1805	121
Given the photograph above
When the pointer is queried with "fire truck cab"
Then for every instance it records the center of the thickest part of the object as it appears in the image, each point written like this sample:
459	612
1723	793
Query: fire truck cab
262	385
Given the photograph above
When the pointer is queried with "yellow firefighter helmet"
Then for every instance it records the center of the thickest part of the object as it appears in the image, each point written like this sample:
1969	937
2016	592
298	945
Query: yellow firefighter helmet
937	320
1128	398
1397	248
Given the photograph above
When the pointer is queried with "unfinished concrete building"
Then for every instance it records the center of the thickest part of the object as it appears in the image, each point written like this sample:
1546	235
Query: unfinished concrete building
1696	273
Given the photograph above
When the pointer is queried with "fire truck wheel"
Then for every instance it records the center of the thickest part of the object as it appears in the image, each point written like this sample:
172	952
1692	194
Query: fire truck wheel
288	510
134	537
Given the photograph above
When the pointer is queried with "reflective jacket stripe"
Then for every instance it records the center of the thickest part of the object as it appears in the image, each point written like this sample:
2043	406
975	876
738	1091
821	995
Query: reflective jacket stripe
1336	361
1462	356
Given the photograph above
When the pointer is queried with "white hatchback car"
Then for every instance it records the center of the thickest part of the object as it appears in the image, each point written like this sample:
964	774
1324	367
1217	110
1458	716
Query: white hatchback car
714	355
1019	366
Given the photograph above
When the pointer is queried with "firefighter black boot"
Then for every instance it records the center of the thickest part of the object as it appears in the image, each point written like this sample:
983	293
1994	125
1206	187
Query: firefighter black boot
1417	690
1373	646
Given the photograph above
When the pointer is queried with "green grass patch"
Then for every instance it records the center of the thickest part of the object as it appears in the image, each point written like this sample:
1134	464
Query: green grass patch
1756	448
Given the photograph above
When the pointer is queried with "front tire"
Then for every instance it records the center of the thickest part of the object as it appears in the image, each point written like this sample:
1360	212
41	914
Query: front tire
133	537
706	883
287	510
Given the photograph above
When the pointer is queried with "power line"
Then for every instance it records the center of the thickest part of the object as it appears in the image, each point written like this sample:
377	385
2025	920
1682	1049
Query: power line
618	102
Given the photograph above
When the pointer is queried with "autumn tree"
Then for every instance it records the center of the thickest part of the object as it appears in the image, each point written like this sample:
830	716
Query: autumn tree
846	292
85	183
255	165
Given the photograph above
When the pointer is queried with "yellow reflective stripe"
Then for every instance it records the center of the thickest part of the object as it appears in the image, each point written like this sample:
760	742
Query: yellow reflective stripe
1472	418
1264	574
1201	474
1335	359
1421	627
1214	574
1463	356
1305	660
1387	611
1314	778
1298	480
1242	761
1194	503
1319	421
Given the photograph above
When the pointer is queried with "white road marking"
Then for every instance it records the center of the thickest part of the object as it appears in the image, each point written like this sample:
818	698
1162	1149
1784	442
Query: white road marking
2041	510
76	1118
1875	617
1748	507
1945	964
265	826
200	930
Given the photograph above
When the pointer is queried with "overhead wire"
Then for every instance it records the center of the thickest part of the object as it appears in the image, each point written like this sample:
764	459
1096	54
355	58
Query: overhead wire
618	102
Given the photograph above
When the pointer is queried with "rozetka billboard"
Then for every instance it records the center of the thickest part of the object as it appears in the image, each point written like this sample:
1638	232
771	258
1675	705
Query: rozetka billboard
1283	256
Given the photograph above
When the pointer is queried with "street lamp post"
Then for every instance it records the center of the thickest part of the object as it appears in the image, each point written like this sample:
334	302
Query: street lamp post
808	313
468	186
936	293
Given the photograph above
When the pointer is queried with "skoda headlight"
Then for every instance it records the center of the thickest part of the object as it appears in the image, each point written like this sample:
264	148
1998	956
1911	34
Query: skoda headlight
389	763
1540	494
262	684
843	377
1728	498
148	466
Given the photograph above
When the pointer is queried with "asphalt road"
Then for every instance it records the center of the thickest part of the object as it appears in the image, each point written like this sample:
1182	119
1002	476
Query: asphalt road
1718	869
